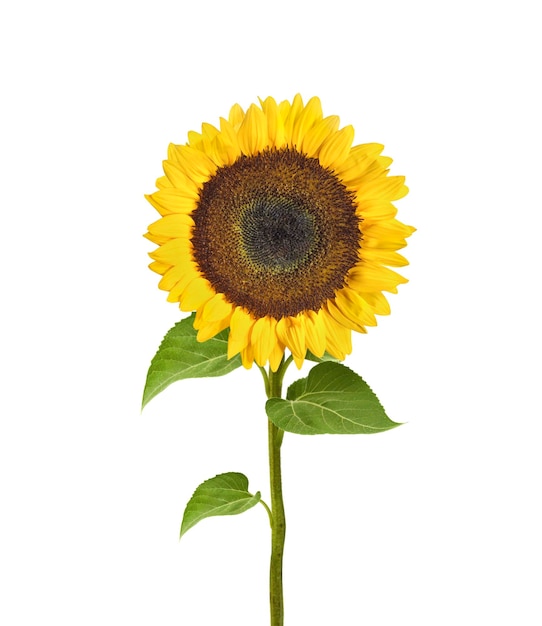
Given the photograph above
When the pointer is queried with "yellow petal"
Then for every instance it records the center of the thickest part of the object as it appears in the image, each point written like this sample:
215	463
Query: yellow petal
275	123
174	293
290	119
159	268
195	139
177	176
284	109
163	183
168	201
196	165
291	331
216	309
315	333
368	277
196	294
173	252
355	308
309	116
247	357
173	275
315	136
210	329
338	337
208	131
157	239
208	145
228	132
343	317
375	210
227	153
385	257
172	226
252	134
263	339
371	150
387	235
236	116
378	302
186	275
361	159
336	147
275	358
353	170
385	189
241	324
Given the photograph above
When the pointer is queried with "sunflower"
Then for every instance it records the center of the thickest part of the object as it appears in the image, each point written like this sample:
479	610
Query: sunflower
275	226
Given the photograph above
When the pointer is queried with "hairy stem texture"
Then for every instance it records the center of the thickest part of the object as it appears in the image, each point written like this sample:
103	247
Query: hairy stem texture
278	528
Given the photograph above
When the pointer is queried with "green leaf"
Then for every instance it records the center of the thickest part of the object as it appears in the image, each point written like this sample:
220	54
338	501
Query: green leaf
225	494
331	400
181	356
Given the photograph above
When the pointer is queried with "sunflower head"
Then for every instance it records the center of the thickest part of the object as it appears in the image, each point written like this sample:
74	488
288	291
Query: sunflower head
275	226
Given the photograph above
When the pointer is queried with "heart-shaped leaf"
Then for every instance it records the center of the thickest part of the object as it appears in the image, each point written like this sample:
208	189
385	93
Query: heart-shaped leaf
181	356
225	494
331	400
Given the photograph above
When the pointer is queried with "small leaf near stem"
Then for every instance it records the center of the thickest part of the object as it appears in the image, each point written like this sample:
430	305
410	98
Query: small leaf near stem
225	494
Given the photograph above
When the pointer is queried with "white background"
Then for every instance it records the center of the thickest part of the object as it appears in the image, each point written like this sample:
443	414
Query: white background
436	522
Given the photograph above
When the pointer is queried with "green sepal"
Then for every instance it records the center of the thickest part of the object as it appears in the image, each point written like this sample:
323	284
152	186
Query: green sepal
331	400
181	356
225	494
320	359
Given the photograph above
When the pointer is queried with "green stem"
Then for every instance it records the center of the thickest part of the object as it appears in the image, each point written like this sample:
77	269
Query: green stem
278	526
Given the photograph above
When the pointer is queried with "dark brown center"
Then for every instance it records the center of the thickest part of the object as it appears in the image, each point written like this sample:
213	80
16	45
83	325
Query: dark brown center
276	233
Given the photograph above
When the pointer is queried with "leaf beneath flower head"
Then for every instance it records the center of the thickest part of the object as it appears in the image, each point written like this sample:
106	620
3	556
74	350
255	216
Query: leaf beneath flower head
225	494
331	400
181	356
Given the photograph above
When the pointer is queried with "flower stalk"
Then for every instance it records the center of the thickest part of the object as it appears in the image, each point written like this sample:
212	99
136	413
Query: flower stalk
278	529
278	519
